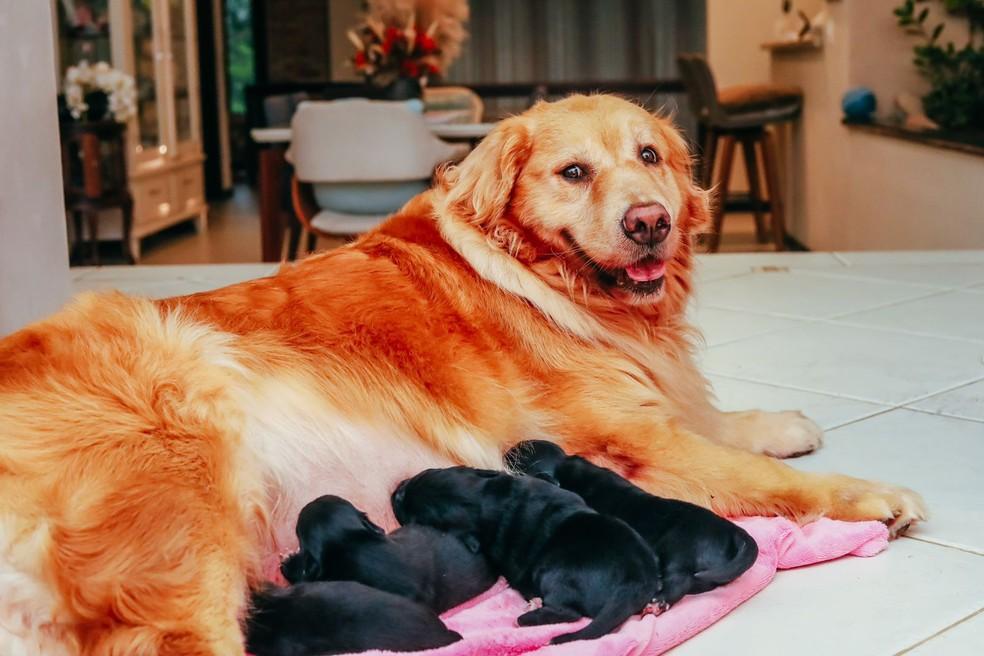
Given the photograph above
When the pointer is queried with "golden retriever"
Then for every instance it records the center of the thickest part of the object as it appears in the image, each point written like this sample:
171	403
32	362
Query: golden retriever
154	455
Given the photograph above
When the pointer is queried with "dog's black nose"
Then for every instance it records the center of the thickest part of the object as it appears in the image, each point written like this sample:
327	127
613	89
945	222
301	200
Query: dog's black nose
647	225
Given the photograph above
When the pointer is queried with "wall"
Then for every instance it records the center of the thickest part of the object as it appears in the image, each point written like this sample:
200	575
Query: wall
33	244
342	16
857	191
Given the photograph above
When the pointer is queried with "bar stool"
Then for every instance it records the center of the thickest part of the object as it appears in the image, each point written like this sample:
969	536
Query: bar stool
742	115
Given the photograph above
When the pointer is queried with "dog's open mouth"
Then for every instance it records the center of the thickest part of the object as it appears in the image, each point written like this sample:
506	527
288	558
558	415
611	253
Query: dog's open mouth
642	278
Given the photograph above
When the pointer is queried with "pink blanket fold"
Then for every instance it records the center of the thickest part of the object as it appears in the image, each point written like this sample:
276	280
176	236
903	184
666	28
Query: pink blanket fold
488	622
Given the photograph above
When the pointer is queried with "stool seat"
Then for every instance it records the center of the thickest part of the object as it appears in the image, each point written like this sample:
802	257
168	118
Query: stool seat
757	105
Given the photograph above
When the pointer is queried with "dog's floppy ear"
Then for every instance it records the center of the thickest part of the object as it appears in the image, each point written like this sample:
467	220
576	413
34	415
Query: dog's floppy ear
698	210
480	188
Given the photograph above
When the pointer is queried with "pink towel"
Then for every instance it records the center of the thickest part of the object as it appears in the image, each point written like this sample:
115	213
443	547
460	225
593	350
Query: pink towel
488	622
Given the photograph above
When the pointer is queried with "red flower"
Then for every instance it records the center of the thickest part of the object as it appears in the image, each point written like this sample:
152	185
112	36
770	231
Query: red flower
360	59
409	68
426	44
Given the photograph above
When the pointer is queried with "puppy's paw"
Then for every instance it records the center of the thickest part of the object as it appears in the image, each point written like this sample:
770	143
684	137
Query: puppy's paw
534	603
897	507
777	434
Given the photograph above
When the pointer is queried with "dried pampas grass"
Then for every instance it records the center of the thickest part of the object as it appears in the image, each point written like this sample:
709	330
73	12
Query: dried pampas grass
447	16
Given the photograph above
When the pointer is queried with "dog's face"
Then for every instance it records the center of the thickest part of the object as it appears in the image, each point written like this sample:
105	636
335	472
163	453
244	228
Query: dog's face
446	499
327	524
595	182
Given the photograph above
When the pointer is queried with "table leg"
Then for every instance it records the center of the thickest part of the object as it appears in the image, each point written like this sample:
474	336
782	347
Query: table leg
271	163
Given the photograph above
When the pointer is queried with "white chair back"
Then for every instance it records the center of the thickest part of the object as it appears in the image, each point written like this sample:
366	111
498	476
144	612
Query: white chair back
359	140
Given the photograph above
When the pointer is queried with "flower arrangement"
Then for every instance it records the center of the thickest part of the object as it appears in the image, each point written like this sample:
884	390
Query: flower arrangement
384	53
93	91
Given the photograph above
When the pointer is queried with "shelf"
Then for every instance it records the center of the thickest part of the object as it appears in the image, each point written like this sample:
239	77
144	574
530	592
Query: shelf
802	45
968	142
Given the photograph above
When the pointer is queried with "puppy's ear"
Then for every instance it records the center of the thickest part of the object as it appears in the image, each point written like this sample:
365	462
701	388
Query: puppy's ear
369	526
480	188
471	542
310	566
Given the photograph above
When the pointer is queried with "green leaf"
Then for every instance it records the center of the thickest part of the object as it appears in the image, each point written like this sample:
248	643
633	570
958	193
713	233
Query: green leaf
923	14
936	32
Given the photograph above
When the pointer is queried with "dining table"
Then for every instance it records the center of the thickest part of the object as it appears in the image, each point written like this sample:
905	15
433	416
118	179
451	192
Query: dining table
275	211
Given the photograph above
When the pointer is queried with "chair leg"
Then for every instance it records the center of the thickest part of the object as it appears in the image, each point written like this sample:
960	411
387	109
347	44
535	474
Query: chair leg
312	241
126	207
709	145
772	181
294	236
721	195
751	168
92	218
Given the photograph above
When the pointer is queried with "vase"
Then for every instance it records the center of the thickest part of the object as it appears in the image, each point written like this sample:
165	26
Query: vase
402	88
98	103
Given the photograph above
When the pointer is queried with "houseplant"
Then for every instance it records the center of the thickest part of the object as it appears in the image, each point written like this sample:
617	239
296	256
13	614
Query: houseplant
99	92
955	73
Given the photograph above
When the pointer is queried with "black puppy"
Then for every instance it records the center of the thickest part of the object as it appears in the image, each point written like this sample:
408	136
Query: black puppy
339	617
544	540
697	550
340	543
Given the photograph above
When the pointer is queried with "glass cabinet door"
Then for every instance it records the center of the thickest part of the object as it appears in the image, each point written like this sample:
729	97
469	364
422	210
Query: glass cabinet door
83	32
145	74
179	46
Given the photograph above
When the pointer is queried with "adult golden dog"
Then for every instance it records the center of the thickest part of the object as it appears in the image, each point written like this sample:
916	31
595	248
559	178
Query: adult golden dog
153	455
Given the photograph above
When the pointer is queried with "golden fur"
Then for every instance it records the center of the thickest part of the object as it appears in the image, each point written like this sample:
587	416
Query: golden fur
153	455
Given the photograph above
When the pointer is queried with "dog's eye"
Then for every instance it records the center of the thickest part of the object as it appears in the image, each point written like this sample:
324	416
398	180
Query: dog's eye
574	172
649	155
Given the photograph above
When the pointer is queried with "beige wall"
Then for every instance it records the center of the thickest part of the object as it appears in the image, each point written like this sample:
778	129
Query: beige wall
33	250
856	191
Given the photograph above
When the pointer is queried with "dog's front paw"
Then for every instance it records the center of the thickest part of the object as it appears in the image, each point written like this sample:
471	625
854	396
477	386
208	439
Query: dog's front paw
897	507
777	434
794	435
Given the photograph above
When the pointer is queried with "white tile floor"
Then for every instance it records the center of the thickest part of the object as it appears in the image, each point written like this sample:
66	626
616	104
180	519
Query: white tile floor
886	352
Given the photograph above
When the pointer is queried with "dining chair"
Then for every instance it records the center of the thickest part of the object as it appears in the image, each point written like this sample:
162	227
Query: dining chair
357	161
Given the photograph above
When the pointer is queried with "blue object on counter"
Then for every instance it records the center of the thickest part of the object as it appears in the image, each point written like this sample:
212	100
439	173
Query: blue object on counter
859	104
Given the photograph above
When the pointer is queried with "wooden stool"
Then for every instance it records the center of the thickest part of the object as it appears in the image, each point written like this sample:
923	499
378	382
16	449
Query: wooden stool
740	115
94	174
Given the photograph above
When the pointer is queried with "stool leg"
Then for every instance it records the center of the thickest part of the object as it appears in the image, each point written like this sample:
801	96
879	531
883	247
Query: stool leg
709	146
751	167
772	181
721	195
312	241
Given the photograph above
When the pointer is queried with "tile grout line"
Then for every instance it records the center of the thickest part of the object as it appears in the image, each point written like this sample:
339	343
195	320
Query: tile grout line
891	405
943	414
940	632
944	546
945	390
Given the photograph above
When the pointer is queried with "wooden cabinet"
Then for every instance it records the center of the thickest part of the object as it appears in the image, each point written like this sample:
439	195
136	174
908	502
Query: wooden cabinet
155	42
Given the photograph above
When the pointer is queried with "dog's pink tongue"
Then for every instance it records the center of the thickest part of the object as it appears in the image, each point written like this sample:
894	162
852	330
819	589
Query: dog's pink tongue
646	270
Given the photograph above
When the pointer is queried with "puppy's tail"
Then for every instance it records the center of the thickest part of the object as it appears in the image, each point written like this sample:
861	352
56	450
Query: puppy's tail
742	560
607	620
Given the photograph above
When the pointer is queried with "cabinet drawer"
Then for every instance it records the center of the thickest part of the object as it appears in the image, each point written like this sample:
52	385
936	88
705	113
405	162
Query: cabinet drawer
151	199
187	188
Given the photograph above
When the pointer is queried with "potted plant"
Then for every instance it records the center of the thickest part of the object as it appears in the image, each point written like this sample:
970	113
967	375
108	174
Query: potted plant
956	74
401	46
99	92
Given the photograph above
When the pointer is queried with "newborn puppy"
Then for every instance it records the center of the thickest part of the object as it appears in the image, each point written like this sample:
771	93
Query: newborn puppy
339	618
697	550
340	543
544	540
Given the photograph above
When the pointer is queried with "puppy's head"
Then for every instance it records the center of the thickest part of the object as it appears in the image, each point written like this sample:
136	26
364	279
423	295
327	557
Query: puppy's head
327	524
593	185
536	458
446	499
